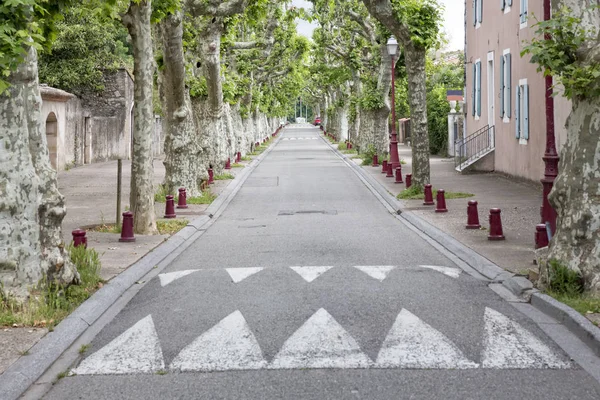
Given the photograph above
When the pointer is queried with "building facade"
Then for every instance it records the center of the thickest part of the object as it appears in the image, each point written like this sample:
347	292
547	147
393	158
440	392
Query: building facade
504	90
94	127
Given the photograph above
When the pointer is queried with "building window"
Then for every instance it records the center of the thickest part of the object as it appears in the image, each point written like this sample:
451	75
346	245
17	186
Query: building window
477	12
522	112
505	85
524	12
476	92
505	5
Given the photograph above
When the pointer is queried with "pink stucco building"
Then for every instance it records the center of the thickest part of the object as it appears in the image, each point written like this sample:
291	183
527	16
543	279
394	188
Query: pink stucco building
505	91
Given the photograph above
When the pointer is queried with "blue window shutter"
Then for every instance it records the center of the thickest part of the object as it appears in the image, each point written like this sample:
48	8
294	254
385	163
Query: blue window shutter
507	84
526	112
502	66
475	12
509	2
474	88
518	113
480	11
479	89
502	4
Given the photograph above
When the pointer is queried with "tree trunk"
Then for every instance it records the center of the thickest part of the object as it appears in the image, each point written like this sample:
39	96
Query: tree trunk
183	154
137	22
417	99
576	195
31	208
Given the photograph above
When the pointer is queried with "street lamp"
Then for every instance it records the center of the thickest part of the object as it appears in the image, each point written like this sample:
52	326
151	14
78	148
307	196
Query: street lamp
392	47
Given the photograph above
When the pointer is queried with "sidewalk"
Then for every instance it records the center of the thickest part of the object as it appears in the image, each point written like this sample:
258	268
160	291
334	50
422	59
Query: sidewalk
520	204
90	194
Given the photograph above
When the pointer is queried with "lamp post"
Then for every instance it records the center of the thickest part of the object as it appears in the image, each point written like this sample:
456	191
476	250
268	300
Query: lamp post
392	47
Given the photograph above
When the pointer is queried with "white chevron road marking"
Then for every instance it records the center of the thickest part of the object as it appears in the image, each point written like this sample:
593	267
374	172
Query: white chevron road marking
309	274
451	272
169	277
229	345
239	274
412	343
320	342
379	272
508	345
137	350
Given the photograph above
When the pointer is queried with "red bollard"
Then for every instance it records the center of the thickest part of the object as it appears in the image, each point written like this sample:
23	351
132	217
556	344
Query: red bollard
399	174
228	164
408	180
127	230
541	236
182	199
384	167
375	161
350	144
211	176
495	225
390	171
347	145
170	207
257	144
440	207
428	196
239	157
472	216
79	238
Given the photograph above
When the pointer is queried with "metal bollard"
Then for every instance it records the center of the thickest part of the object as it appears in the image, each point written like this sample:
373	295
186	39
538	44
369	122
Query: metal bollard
428	196
399	174
79	238
127	230
408	180
375	161
170	207
495	225
182	199
440	207
472	216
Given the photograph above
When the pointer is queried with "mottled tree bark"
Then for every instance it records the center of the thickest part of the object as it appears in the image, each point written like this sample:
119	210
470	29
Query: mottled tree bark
417	100
576	195
137	22
415	68
31	208
183	154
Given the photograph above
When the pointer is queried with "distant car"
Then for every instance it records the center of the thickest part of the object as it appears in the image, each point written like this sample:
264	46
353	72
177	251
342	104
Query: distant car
317	121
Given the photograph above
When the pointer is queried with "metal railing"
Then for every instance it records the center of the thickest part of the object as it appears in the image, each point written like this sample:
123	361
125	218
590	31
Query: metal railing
474	146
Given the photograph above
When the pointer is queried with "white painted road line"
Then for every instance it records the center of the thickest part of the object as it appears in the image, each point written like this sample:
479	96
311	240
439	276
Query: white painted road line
229	345
508	345
239	274
169	277
451	272
309	274
137	350
379	272
320	343
412	343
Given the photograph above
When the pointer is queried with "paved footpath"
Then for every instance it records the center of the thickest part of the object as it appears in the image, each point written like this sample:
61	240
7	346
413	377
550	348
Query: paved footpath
294	293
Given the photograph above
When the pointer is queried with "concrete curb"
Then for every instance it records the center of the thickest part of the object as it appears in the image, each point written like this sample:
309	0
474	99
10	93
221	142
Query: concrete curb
518	285
575	322
28	369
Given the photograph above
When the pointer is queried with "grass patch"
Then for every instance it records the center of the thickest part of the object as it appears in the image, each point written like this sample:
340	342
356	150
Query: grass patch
237	165
161	372
170	226
50	303
206	197
566	286
106	228
416	193
223	177
84	348
583	303
246	158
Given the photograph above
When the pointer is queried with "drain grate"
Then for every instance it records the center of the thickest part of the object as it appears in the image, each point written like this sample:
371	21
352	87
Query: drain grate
322	212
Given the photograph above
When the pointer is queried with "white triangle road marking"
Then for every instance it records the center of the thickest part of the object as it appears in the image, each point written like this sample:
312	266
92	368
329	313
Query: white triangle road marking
137	350
169	277
508	345
320	342
229	345
239	274
412	343
379	272
309	274
451	272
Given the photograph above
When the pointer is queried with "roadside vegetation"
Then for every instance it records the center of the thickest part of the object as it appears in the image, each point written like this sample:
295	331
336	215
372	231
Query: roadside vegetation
415	193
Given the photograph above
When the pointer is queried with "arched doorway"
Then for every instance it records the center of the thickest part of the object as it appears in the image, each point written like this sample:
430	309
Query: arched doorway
52	138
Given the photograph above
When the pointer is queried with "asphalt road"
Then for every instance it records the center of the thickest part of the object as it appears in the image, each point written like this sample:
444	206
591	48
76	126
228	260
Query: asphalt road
306	287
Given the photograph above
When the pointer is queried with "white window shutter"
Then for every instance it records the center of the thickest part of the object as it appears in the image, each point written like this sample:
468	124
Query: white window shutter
475	12
479	89
502	4
480	11
526	112
509	2
507	83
